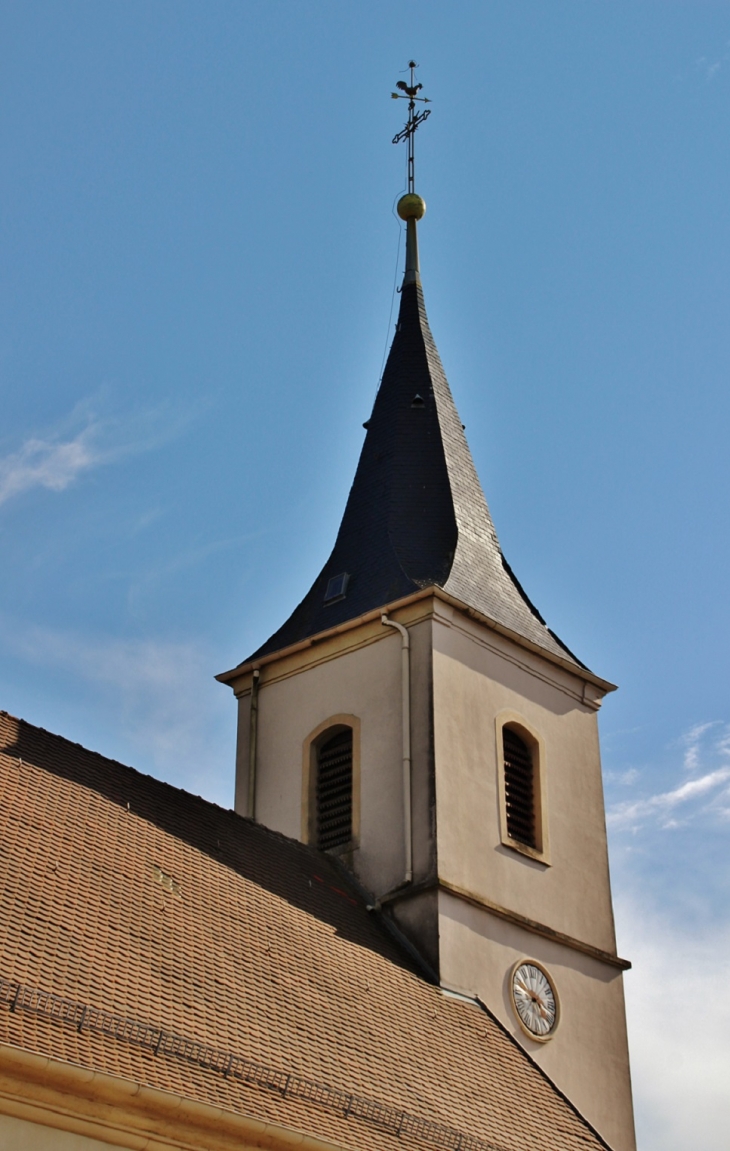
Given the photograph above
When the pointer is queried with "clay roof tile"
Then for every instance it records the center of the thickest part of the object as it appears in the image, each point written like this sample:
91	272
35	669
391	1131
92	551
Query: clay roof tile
194	937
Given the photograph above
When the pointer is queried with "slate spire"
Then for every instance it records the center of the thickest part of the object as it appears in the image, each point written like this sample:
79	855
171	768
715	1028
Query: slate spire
416	516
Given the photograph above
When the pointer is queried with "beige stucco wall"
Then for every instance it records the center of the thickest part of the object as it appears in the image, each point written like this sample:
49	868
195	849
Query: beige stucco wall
587	1057
360	676
21	1135
463	676
476	676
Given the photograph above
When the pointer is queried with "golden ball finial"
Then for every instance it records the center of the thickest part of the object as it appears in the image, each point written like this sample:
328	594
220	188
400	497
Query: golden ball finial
411	207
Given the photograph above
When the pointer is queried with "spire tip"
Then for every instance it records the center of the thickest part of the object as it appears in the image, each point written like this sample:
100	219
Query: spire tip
411	207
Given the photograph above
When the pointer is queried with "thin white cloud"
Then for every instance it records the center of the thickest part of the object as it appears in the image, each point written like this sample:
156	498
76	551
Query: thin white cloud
692	741
624	778
722	745
47	464
679	1028
635	812
163	710
710	67
55	458
703	794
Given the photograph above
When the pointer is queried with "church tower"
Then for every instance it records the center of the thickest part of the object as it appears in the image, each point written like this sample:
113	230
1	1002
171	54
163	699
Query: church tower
416	716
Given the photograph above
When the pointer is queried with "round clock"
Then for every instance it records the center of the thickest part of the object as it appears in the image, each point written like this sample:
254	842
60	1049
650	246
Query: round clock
534	999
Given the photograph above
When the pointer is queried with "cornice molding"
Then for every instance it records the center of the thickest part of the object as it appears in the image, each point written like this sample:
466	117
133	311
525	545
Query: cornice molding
243	670
533	926
401	894
123	1113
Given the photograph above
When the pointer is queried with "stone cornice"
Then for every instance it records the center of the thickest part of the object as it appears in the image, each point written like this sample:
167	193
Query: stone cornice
533	926
67	1097
402	894
238	674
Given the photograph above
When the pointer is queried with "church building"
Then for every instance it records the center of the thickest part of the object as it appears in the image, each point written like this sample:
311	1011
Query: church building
402	936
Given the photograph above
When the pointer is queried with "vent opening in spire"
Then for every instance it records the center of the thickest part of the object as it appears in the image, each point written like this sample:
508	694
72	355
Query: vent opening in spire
337	587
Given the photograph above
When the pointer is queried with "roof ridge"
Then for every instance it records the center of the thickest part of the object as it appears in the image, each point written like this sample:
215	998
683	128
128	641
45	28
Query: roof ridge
306	851
268	832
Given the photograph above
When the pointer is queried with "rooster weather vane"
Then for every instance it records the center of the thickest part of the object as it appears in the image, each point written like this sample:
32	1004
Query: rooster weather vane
410	92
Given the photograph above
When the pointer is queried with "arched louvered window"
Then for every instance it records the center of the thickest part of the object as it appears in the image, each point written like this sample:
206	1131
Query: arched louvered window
333	790
519	789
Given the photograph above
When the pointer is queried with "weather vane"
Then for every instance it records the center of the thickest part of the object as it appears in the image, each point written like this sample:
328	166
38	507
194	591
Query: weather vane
410	92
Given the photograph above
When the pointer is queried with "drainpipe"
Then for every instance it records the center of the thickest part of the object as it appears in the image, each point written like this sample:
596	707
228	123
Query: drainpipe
253	731
406	694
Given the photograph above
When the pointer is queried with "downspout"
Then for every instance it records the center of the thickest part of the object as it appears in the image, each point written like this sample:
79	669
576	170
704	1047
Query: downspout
406	696
253	732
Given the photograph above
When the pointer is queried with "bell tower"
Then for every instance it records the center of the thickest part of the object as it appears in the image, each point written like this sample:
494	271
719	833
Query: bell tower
416	716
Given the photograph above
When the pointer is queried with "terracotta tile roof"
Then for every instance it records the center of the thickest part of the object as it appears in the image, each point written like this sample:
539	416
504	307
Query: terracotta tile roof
128	895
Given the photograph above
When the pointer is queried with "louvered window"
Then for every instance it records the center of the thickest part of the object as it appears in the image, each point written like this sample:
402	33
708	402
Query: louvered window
334	791
519	788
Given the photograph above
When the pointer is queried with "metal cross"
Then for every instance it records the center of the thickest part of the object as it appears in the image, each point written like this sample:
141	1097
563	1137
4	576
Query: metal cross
410	92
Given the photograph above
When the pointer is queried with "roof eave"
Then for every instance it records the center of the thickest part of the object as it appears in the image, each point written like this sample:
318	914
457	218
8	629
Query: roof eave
576	669
70	1097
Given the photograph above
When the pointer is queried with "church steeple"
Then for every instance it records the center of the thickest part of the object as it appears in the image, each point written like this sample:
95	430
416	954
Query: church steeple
416	515
416	718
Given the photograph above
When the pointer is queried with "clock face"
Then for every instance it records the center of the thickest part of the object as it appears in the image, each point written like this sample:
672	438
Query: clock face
534	999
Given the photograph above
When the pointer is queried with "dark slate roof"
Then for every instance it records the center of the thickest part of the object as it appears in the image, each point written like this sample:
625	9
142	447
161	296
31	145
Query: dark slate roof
229	965
416	516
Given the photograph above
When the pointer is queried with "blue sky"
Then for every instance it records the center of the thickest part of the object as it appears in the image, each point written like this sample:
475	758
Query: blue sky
199	252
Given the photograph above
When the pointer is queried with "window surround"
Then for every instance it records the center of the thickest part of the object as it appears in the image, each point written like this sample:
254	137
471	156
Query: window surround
517	722
328	728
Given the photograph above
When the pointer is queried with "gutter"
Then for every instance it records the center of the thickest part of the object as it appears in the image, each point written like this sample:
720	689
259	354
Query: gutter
253	733
406	721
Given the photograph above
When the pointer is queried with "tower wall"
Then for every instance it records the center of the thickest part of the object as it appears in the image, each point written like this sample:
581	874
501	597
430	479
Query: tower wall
479	677
588	1056
355	674
476	905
